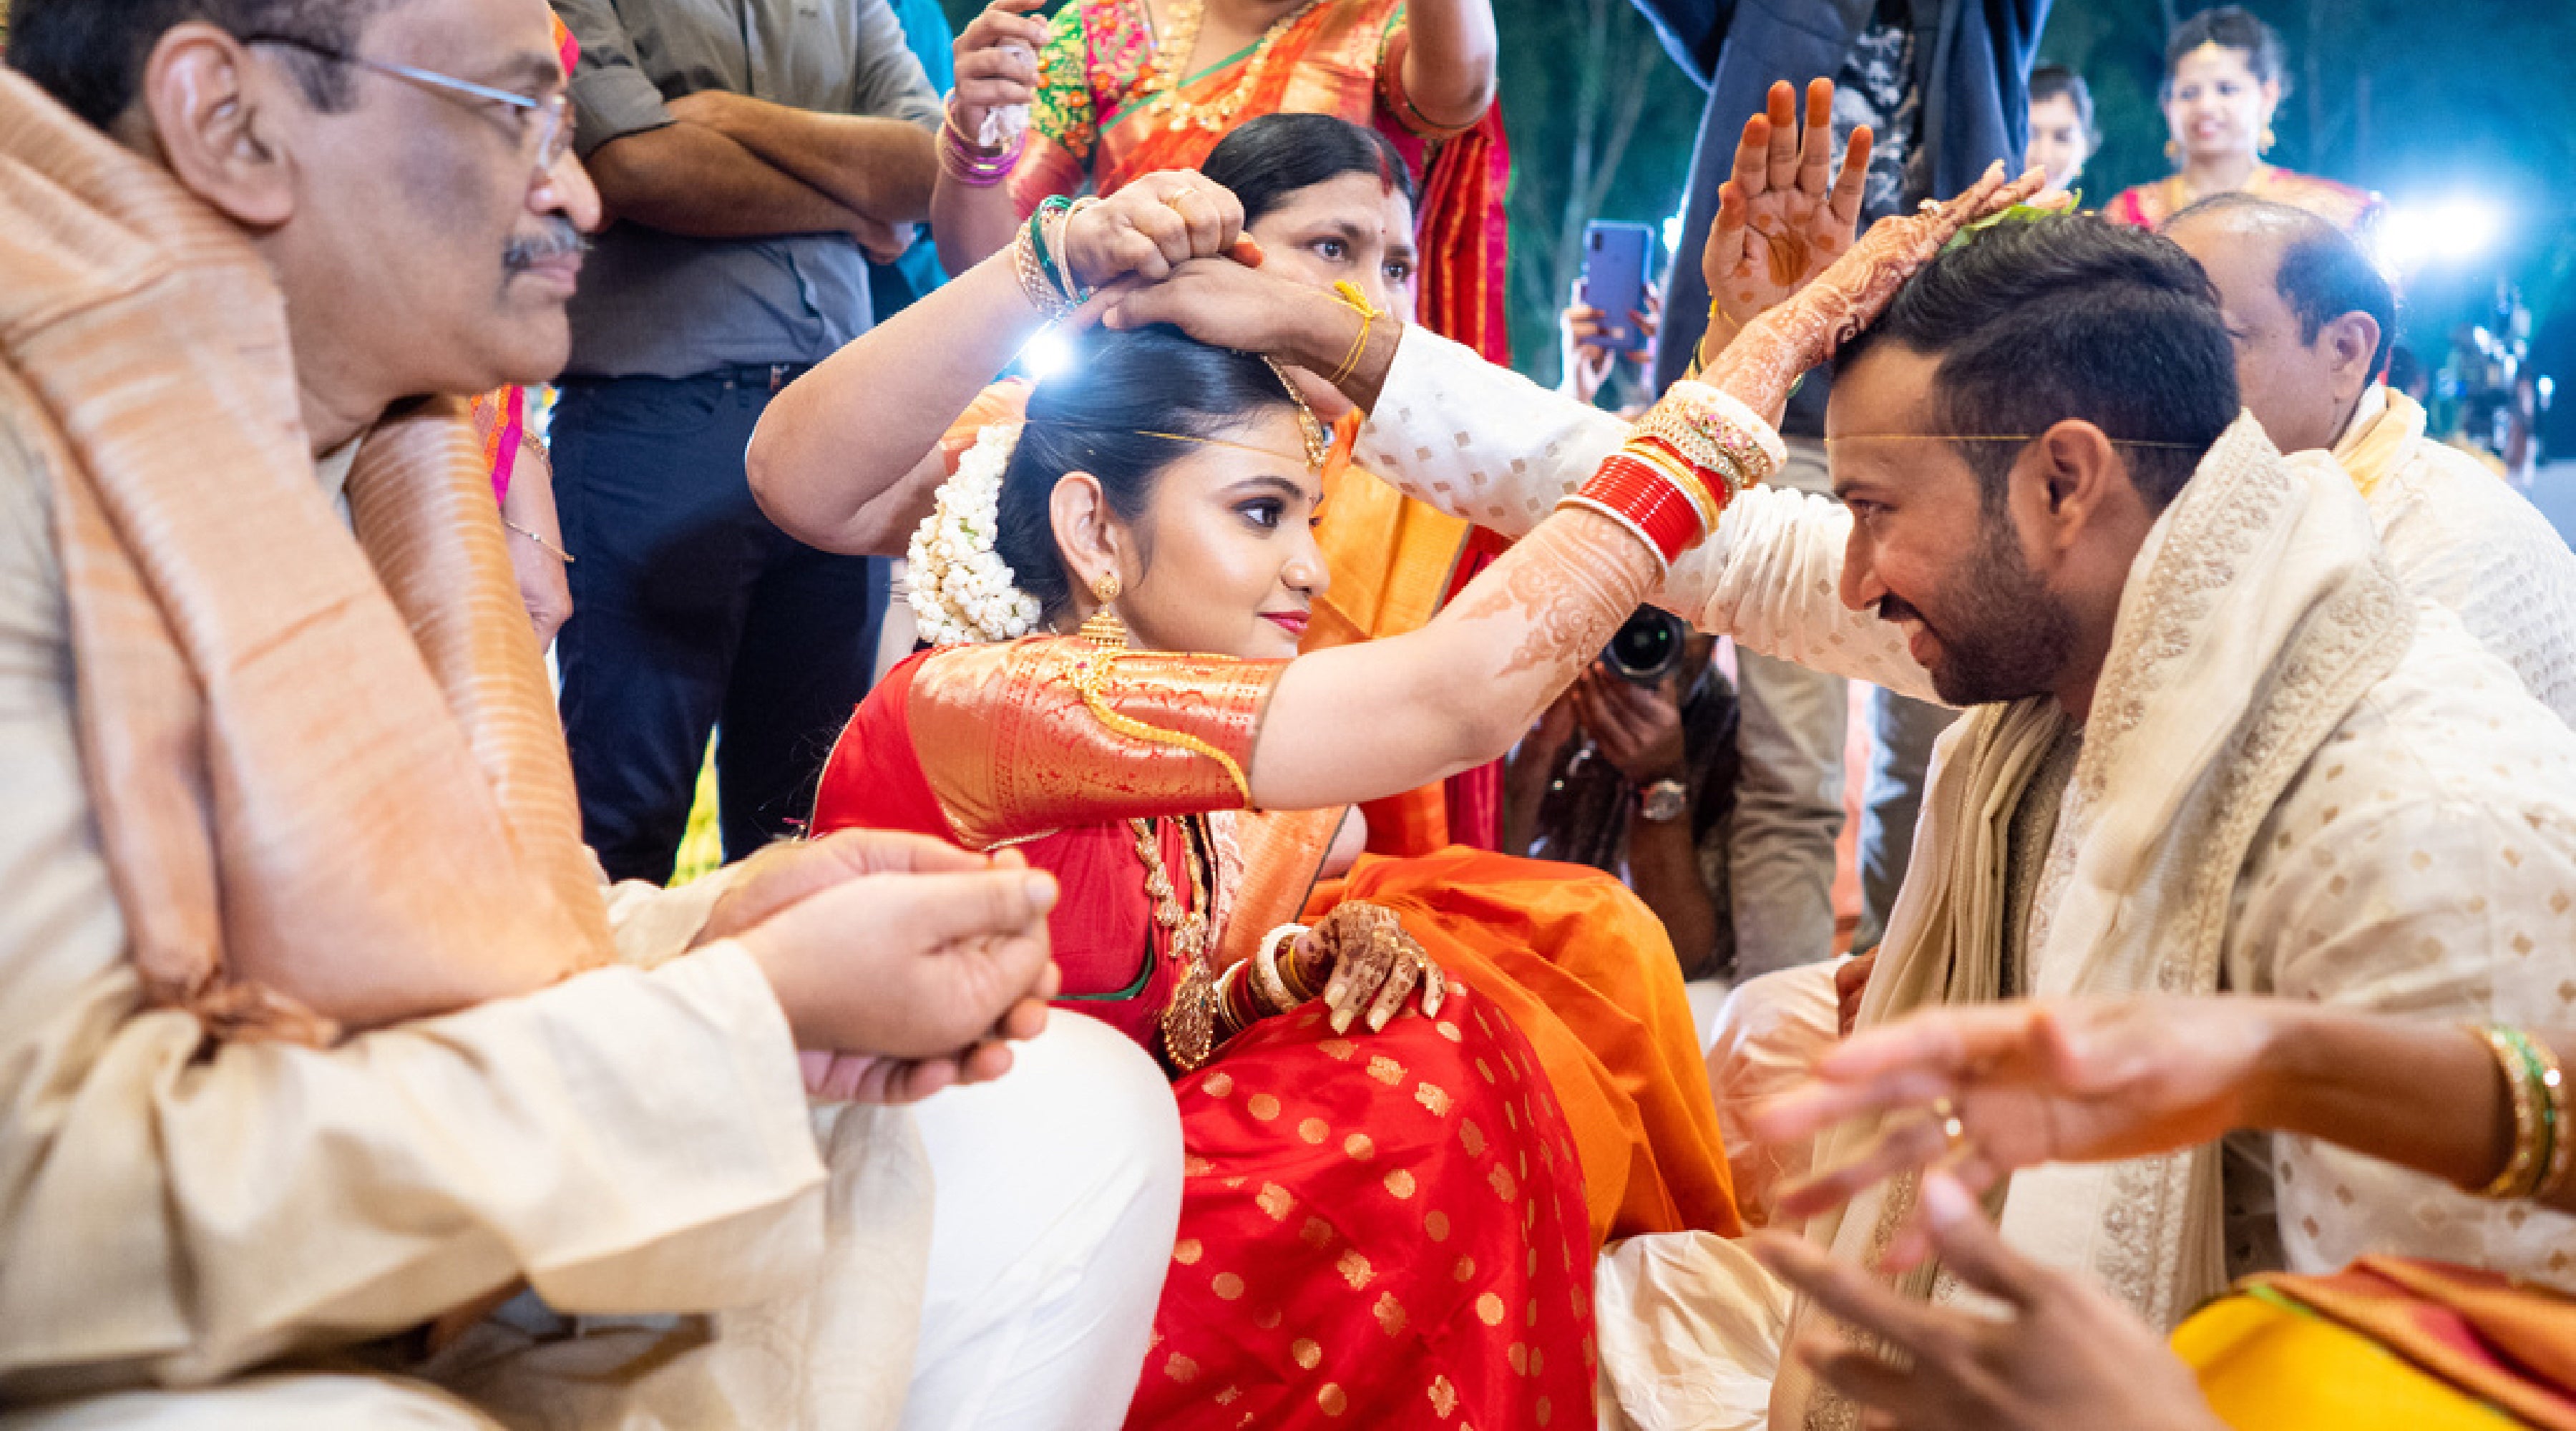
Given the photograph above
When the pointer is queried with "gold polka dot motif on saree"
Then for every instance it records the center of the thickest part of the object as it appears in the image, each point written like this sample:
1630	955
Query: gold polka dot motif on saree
1390	1315
1181	1369
1423	1329
1188	1251
1386	1070
1306	1352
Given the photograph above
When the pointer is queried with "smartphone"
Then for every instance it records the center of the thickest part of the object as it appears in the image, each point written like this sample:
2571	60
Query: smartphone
1614	278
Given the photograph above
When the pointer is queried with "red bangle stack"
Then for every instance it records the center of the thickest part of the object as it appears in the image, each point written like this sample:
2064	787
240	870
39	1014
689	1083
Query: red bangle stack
1649	501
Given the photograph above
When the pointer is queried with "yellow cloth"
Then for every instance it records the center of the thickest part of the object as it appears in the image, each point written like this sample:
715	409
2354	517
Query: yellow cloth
2265	1367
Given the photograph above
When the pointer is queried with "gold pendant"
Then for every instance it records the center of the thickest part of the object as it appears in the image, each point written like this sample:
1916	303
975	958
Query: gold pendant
1189	1020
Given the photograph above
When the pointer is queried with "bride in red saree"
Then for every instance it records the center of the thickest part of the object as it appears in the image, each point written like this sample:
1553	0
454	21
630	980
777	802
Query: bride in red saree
1384	1205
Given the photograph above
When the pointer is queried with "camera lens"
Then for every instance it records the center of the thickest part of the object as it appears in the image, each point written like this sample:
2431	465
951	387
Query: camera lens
1648	647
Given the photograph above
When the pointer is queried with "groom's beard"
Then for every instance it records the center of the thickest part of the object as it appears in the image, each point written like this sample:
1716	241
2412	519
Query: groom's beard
2003	635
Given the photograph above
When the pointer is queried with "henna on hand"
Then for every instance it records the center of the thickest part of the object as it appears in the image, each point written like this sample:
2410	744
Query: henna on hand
1764	360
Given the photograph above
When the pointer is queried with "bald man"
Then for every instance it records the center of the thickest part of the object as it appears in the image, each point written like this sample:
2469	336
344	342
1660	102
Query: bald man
2312	319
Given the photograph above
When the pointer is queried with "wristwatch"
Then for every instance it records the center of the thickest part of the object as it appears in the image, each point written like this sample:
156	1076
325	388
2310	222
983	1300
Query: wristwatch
1663	802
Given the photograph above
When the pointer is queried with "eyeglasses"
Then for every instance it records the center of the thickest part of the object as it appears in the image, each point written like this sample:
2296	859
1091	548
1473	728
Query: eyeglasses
542	129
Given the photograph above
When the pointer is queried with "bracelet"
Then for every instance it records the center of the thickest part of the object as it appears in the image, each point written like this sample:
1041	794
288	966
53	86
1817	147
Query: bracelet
1646	501
1268	983
543	545
961	159
2531	1156
1048	208
1298	993
1074	293
1035	286
1232	1014
1702	425
2554	1116
1357	302
1693	483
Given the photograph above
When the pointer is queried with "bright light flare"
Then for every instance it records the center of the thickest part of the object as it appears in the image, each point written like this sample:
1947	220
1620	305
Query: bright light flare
1673	234
2458	230
1046	355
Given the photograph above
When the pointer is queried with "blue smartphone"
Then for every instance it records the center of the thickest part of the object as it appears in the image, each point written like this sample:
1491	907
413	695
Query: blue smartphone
1614	278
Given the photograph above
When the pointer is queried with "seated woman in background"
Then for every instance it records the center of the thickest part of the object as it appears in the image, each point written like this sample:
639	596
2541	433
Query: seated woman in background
2223	72
2388	1342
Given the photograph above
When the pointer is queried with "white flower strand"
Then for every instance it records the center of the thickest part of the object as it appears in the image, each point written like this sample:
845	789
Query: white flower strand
962	590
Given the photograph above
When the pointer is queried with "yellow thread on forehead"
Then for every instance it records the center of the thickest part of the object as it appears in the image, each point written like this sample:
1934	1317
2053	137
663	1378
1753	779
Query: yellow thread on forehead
1299	459
2000	437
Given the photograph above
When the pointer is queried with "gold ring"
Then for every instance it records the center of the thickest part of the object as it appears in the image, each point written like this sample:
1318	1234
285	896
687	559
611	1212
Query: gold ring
1946	1113
1173	199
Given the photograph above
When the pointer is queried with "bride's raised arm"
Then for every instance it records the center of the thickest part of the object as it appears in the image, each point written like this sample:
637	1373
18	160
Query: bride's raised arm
1359	721
847	458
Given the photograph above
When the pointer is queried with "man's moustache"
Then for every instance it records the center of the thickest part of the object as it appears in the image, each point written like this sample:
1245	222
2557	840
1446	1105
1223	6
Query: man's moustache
560	238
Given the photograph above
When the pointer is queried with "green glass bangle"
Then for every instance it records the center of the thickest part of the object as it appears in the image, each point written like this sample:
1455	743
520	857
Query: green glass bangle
1052	204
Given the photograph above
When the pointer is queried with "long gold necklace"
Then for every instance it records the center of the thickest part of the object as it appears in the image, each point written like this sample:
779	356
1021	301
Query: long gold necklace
1172	57
1189	1020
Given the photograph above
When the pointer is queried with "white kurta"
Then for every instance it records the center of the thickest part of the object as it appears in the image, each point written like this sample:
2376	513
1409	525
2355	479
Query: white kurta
2460	535
2423	862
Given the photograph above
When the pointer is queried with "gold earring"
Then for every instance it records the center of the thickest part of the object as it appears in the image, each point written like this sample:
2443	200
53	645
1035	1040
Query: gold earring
2266	142
2173	149
1103	628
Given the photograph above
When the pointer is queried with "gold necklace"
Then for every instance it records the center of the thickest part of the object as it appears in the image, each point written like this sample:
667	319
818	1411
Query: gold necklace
1172	56
1189	1020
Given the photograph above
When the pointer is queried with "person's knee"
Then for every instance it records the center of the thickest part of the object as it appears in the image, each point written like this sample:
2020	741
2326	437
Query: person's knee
1099	1081
1084	1113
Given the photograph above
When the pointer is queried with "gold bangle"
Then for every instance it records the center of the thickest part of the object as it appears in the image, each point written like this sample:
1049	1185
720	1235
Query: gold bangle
1268	984
2517	1174
1671	470
1298	993
2554	1097
543	545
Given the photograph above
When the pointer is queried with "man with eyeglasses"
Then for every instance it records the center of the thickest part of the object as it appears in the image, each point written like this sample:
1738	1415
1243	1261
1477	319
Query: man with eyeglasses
753	154
336	1089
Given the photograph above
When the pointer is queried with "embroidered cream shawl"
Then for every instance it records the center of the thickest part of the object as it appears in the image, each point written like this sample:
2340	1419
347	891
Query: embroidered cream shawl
2256	614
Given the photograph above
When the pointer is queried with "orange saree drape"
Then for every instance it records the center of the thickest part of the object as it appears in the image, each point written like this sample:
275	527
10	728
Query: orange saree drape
1586	973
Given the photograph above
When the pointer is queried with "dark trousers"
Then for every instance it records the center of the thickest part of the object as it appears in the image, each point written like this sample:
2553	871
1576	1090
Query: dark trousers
691	612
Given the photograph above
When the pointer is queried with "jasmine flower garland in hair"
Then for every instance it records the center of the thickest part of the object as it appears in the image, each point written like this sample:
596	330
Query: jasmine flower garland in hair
962	590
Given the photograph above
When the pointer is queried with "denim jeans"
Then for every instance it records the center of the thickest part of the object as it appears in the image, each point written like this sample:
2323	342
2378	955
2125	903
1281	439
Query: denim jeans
692	613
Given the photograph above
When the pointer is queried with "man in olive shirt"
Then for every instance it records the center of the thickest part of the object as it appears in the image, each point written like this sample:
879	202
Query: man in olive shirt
752	153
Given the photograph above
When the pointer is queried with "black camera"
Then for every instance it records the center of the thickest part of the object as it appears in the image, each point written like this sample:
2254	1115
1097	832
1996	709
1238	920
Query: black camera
1648	646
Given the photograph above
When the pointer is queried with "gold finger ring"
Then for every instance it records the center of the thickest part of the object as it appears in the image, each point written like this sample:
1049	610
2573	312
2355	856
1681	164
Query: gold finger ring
1954	1131
1173	199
